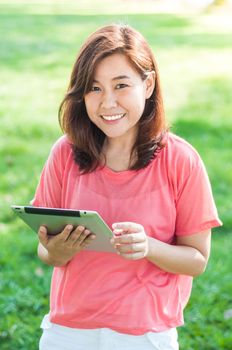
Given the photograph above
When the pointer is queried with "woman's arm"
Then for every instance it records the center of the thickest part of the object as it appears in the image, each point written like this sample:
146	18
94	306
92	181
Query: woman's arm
189	256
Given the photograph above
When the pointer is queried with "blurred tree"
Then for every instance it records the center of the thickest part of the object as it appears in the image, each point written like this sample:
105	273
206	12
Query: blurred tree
219	2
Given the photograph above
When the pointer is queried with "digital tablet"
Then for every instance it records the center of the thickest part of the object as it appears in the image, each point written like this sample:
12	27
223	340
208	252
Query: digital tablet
56	219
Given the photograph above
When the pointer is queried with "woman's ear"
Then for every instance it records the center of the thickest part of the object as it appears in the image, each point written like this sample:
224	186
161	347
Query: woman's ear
150	84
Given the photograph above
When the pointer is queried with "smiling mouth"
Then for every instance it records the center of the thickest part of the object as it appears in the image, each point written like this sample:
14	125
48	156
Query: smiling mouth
113	117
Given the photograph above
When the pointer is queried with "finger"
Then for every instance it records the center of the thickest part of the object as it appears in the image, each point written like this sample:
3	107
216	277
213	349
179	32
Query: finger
76	234
64	235
43	236
131	248
129	238
118	232
81	236
88	240
127	226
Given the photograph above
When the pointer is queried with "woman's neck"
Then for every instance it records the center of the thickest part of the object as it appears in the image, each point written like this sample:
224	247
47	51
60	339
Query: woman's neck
118	155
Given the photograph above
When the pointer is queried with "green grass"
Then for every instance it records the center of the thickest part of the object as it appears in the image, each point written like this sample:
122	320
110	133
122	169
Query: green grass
38	47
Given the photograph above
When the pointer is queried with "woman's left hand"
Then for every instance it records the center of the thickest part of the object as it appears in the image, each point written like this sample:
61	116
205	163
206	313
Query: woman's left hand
130	240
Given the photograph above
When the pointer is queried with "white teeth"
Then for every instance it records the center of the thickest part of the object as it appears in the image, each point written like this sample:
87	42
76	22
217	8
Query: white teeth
112	117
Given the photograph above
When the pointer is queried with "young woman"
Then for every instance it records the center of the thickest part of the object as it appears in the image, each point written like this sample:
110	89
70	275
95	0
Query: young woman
150	186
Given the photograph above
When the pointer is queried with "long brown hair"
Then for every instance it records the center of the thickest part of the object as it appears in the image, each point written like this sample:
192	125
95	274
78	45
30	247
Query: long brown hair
86	138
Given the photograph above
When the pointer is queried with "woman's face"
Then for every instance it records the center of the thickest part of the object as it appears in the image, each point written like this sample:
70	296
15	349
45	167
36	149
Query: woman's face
117	98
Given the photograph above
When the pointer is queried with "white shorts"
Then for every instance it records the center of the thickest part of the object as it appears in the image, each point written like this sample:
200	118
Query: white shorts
56	337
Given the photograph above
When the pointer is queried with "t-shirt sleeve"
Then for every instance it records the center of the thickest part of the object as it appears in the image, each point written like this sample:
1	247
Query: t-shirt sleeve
195	206
49	189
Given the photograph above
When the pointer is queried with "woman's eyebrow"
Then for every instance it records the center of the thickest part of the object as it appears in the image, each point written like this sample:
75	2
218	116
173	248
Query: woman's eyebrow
120	77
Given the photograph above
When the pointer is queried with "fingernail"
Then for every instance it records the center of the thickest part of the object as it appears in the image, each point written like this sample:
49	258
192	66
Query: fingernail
117	234
69	227
42	229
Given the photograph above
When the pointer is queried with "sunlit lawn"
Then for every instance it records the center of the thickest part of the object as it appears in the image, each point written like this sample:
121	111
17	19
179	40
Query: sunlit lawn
38	47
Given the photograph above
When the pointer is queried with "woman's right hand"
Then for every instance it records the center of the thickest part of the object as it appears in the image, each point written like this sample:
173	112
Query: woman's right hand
58	249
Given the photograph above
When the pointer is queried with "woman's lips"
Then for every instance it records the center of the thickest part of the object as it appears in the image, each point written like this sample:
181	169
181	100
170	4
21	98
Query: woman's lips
113	117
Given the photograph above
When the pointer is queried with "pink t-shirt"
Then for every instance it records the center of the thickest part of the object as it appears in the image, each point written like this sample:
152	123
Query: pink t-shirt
171	196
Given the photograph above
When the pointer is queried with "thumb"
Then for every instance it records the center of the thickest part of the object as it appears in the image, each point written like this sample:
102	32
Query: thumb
43	236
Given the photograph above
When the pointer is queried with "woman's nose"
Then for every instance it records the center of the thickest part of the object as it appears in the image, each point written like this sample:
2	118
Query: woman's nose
108	100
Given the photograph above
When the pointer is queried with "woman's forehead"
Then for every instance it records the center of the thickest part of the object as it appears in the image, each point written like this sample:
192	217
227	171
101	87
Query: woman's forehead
115	67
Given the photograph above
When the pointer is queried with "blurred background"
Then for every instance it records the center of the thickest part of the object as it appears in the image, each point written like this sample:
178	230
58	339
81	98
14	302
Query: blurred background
192	42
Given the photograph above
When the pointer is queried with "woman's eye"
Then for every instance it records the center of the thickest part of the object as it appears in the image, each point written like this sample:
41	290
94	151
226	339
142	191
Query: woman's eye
121	86
95	88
